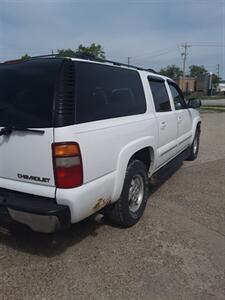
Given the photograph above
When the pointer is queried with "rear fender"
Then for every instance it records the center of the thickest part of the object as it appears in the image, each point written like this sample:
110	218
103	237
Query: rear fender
124	156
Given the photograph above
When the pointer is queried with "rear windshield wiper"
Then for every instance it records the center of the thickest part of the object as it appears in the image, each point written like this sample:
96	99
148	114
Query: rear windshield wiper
9	130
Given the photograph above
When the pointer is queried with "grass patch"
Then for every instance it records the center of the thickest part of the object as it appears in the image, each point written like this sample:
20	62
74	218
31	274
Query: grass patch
212	97
213	108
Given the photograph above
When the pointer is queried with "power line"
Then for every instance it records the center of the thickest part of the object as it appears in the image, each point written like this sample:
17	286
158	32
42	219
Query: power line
152	52
153	56
209	45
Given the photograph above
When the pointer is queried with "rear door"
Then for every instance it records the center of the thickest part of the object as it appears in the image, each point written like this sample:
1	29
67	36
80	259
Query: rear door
26	102
166	120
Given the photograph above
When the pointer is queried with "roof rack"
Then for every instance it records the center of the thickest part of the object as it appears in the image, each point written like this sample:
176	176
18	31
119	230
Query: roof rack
94	58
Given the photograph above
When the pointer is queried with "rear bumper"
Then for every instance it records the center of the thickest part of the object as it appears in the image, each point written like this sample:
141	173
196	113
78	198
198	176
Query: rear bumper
39	213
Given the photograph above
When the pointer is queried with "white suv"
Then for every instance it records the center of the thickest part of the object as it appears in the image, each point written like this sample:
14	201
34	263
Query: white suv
79	135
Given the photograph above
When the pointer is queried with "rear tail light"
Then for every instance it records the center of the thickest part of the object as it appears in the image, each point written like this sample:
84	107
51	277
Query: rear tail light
67	164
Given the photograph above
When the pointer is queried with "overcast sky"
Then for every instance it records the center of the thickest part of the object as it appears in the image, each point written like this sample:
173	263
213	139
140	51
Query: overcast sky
150	32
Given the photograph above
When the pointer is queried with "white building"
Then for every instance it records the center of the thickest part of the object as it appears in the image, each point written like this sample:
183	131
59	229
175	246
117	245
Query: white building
221	86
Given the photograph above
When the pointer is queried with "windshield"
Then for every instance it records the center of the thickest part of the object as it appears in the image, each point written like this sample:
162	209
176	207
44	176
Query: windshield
27	93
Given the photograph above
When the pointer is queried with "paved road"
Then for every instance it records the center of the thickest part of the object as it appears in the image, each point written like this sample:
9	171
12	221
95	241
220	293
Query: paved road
218	102
177	251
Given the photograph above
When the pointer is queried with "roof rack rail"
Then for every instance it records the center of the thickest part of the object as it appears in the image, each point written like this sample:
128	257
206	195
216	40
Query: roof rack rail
94	58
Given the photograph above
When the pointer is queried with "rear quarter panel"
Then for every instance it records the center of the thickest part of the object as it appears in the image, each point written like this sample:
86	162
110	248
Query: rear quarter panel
106	147
101	142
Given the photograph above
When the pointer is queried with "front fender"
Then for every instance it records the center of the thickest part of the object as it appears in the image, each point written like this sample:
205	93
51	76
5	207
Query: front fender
196	119
124	156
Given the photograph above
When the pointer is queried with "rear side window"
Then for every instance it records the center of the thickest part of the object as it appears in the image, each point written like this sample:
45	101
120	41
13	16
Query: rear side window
178	99
160	95
27	93
104	92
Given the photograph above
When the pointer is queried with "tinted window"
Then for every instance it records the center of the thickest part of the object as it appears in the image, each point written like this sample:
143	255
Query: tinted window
160	95
104	92
177	97
27	92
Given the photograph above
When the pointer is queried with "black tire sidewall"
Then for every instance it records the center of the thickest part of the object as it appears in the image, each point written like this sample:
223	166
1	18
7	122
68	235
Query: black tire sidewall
135	167
193	155
197	136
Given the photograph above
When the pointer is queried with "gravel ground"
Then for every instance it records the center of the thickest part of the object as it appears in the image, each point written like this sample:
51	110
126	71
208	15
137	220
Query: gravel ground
177	250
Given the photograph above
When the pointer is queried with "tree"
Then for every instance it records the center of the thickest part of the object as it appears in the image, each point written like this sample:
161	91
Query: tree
66	52
95	49
215	80
25	56
195	70
171	71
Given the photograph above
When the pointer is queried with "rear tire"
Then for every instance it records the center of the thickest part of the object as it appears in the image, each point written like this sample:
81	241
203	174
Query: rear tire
194	146
130	207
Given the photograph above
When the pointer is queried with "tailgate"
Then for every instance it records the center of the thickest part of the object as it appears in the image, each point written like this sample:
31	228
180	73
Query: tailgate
27	157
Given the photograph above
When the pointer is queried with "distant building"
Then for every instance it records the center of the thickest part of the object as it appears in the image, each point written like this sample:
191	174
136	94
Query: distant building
221	86
188	85
204	82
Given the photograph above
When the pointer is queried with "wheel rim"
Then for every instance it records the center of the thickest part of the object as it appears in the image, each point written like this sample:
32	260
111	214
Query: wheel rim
195	145
136	193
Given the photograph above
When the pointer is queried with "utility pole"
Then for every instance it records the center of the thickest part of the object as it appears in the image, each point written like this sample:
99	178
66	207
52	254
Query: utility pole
128	60
184	56
218	70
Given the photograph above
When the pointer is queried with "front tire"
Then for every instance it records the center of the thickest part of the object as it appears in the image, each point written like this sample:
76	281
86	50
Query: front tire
130	207
194	146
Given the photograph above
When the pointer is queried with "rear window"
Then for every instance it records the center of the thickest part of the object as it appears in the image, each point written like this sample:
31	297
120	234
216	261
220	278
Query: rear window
104	92
27	93
160	95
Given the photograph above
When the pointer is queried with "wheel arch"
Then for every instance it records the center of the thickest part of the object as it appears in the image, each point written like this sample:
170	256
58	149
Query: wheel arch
196	125
145	155
142	149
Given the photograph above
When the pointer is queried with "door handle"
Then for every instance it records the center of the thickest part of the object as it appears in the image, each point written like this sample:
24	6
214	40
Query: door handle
162	125
179	119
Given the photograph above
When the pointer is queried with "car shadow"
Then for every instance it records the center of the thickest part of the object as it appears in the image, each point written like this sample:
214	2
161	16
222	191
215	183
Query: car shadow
21	238
156	182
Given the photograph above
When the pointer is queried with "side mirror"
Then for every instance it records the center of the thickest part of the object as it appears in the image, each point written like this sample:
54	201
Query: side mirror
194	103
